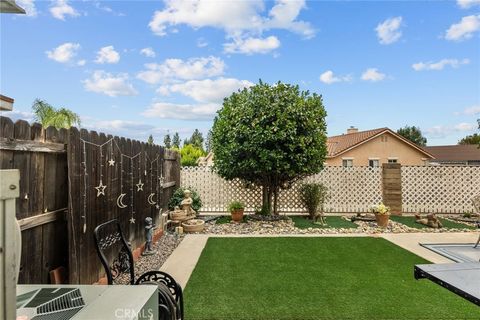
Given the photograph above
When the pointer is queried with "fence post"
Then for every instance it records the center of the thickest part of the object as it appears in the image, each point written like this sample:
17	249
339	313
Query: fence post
10	242
392	187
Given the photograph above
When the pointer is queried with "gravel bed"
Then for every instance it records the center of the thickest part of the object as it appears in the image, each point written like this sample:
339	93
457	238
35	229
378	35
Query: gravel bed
287	226
163	249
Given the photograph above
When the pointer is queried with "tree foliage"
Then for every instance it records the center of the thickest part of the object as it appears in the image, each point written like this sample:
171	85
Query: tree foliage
190	154
48	116
167	141
176	141
208	142
150	140
413	134
270	135
471	139
196	139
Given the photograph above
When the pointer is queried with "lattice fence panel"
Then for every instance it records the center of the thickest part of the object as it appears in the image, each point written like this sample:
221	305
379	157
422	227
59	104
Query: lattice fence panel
440	189
350	190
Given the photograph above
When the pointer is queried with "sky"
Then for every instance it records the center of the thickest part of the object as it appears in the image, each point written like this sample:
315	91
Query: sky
135	68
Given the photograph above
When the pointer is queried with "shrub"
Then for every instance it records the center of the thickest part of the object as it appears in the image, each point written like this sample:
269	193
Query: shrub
313	196
235	205
177	198
190	154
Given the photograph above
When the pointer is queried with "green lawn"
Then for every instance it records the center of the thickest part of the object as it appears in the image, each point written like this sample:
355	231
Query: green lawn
410	222
315	278
332	222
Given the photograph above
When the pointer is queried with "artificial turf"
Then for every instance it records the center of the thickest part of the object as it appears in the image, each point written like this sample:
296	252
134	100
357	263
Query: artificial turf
332	222
410	222
315	278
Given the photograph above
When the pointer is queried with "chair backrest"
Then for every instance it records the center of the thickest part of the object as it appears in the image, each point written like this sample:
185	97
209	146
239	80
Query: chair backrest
114	251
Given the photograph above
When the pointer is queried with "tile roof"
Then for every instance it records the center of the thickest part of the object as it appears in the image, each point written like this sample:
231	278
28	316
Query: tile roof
338	144
455	152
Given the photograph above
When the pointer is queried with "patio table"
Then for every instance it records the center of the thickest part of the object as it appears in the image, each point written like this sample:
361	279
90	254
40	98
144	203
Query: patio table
460	278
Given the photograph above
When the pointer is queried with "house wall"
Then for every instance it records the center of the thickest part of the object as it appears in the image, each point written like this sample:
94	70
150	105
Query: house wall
382	149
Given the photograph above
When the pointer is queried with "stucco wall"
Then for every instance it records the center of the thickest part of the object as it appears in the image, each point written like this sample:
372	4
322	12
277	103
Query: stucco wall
376	148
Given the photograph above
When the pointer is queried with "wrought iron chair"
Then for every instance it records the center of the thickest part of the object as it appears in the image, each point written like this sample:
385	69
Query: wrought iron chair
116	256
476	205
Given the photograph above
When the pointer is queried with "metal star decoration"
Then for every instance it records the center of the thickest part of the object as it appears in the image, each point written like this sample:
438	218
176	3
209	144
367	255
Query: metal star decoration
162	180
100	189
157	206
111	162
132	220
140	185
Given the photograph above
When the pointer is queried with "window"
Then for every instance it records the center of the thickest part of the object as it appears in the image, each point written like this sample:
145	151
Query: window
392	160
373	163
347	163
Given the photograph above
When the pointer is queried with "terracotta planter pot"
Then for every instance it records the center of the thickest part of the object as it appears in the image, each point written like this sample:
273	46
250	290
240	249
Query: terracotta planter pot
382	219
194	225
237	215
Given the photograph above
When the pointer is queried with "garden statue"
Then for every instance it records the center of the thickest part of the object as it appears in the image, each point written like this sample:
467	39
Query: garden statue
149	227
186	204
431	221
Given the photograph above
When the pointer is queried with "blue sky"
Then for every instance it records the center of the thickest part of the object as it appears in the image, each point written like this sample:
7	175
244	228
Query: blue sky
135	68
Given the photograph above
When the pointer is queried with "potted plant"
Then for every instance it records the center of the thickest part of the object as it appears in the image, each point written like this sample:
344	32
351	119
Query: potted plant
236	208
382	214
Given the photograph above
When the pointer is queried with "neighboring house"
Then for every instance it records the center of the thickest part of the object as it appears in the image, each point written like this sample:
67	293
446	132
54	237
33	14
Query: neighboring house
373	148
366	148
207	160
6	103
455	155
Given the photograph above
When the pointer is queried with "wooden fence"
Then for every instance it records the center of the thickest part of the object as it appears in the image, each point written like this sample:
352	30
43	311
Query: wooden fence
41	157
59	203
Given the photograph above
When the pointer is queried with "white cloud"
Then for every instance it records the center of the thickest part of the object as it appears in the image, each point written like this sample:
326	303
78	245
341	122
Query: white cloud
372	74
178	69
18	115
329	77
60	9
29	6
454	63
148	52
166	110
252	45
464	126
442	131
64	53
234	17
242	21
206	90
107	55
388	31
201	43
81	62
472	111
465	4
464	29
106	83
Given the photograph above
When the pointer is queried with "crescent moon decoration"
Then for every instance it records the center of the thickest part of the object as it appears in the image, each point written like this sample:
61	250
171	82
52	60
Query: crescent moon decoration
120	201
149	199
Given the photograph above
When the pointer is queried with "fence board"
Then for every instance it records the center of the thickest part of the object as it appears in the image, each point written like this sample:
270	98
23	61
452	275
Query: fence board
132	163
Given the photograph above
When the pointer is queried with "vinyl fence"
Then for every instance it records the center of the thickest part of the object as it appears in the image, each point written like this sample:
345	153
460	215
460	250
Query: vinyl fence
438	189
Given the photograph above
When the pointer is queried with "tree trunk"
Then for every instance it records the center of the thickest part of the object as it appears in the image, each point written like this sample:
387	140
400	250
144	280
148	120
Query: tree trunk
275	200
267	197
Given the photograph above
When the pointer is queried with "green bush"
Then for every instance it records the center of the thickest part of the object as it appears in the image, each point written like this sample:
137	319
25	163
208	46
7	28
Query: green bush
235	205
177	198
190	154
313	196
